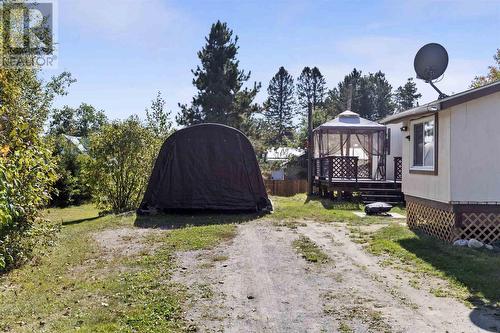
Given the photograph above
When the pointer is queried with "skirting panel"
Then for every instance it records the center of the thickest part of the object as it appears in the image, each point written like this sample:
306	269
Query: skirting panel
452	222
433	221
481	226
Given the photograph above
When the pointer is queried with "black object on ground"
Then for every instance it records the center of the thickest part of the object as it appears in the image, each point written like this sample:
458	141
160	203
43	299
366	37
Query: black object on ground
377	208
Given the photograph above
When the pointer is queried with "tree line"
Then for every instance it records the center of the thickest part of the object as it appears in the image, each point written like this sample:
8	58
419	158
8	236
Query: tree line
222	98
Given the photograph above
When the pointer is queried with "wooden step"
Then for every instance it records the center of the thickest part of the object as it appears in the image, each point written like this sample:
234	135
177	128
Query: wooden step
362	189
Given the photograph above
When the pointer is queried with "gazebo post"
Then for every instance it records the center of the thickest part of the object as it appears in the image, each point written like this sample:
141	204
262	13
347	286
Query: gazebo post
309	150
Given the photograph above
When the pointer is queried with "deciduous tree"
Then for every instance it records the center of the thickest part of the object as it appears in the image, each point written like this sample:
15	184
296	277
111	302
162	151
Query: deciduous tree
122	156
493	74
80	122
157	118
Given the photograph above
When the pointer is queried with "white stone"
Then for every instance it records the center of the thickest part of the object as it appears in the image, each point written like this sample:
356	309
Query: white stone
475	244
461	242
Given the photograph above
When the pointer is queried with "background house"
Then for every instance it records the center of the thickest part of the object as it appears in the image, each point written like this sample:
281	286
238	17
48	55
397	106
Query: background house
283	163
451	164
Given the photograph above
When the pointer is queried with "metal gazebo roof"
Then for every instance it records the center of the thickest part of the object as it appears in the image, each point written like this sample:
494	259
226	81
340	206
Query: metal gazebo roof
349	121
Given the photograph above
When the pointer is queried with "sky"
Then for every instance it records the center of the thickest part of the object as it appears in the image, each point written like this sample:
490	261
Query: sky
122	52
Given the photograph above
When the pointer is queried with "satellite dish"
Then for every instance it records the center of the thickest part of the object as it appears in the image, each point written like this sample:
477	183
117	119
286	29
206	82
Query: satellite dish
430	63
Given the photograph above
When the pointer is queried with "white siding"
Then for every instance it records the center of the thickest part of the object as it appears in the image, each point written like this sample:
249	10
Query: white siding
475	150
432	187
396	148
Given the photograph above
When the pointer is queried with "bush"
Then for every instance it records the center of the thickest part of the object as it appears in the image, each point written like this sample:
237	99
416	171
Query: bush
70	188
121	159
25	179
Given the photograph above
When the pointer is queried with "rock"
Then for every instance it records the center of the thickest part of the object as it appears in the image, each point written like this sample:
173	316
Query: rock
488	246
461	242
475	244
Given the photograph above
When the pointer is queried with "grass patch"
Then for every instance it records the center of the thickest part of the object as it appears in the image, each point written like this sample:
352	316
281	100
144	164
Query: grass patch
198	238
72	214
309	250
76	286
472	275
301	207
219	258
345	328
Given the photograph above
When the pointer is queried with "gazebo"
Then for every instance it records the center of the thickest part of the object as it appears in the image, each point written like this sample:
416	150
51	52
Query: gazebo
349	151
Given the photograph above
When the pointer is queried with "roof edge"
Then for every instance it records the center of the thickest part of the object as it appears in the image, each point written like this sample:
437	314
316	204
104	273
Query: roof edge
445	103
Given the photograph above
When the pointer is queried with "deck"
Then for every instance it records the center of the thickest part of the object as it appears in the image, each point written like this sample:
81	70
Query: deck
336	175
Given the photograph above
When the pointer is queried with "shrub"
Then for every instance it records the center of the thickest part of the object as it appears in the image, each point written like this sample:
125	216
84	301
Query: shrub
70	188
122	156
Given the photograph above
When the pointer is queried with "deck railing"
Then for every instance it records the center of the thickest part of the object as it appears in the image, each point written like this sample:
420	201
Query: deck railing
398	169
342	167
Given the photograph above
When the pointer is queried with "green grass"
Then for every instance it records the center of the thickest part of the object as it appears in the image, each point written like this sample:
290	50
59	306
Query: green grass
75	285
345	328
309	250
300	207
473	276
72	214
198	238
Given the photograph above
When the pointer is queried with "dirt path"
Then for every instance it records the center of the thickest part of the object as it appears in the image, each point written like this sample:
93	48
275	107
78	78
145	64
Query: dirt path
258	283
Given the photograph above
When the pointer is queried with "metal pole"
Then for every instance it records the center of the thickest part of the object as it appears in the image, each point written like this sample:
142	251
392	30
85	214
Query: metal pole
309	150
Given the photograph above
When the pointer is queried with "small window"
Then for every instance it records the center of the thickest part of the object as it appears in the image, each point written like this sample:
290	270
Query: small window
423	145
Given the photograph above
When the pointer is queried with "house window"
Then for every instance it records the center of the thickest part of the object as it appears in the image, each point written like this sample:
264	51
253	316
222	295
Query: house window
424	145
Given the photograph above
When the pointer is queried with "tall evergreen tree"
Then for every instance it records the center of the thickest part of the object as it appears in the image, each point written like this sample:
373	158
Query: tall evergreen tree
279	108
406	97
371	96
336	98
382	104
219	81
311	87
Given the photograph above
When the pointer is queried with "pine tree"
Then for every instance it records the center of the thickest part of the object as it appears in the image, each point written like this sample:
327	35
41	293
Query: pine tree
311	88
279	108
219	81
406	96
382	103
371	96
336	100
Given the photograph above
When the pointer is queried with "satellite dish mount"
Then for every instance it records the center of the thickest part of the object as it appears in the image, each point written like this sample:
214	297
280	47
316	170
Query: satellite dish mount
430	63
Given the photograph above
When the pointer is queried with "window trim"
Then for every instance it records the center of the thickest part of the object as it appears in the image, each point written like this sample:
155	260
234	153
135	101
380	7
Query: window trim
422	169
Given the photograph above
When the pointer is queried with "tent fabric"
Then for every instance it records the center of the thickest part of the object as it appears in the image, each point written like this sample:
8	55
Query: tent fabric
349	135
350	121
206	167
